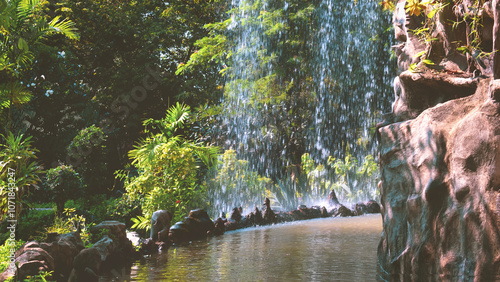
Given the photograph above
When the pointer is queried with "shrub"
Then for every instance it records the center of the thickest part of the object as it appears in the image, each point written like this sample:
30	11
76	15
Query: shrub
5	252
89	157
168	165
64	184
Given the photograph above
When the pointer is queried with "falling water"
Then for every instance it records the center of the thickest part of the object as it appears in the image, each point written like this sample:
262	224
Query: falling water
352	72
343	67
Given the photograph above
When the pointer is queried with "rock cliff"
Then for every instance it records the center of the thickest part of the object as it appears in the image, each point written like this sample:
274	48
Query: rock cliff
440	148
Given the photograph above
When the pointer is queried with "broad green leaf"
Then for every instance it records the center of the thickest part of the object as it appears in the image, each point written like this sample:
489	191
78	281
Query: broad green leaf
22	44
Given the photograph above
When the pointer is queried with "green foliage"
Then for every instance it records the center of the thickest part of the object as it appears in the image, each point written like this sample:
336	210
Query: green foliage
69	222
469	16
352	178
5	251
64	184
31	225
17	166
124	209
232	180
24	27
96	208
89	156
168	166
141	223
352	181
40	277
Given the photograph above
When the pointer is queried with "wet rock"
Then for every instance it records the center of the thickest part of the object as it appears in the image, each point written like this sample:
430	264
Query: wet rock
117	232
360	209
232	225
31	259
258	216
419	91
344	211
372	207
310	213
203	223
268	217
219	227
179	232
86	266
63	249
196	226
236	215
106	248
332	199
148	246
439	158
284	216
160	225
324	212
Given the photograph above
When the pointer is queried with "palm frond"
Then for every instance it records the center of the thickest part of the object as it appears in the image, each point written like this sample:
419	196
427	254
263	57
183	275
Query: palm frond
176	116
25	58
208	155
19	94
65	27
26	8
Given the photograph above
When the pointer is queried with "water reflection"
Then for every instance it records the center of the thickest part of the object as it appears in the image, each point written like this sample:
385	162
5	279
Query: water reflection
332	249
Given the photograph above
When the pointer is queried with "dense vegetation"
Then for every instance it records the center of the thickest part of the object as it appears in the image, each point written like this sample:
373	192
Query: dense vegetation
114	109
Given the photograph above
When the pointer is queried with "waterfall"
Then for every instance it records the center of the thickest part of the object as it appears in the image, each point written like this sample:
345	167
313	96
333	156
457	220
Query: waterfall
304	78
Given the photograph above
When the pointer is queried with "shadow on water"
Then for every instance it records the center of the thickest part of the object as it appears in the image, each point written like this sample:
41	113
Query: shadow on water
331	249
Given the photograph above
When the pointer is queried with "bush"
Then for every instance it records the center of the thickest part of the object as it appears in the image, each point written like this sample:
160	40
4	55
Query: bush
31	225
89	157
234	182
168	166
5	252
94	208
64	184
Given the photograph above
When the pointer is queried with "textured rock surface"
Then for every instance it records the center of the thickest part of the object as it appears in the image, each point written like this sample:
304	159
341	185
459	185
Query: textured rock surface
55	255
440	159
160	225
440	193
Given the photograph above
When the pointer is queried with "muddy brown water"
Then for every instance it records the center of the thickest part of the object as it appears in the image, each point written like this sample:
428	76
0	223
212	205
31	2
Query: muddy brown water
332	249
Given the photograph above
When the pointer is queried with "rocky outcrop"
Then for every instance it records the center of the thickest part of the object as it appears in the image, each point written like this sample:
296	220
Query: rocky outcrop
440	193
112	248
440	159
56	254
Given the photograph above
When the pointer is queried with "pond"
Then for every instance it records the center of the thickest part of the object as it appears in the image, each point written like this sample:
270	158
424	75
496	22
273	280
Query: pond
331	249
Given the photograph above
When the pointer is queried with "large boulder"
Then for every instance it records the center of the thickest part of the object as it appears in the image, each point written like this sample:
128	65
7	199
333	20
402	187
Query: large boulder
195	226
86	266
160	225
31	259
440	153
54	255
440	192
117	232
63	248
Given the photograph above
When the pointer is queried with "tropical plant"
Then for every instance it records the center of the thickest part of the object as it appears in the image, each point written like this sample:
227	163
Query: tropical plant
23	27
18	170
355	181
168	166
64	184
233	184
5	252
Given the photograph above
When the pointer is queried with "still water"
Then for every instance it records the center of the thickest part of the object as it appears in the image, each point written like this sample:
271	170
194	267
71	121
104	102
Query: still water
331	249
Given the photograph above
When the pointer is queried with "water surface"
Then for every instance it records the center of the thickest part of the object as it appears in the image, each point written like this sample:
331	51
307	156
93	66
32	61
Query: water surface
331	249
